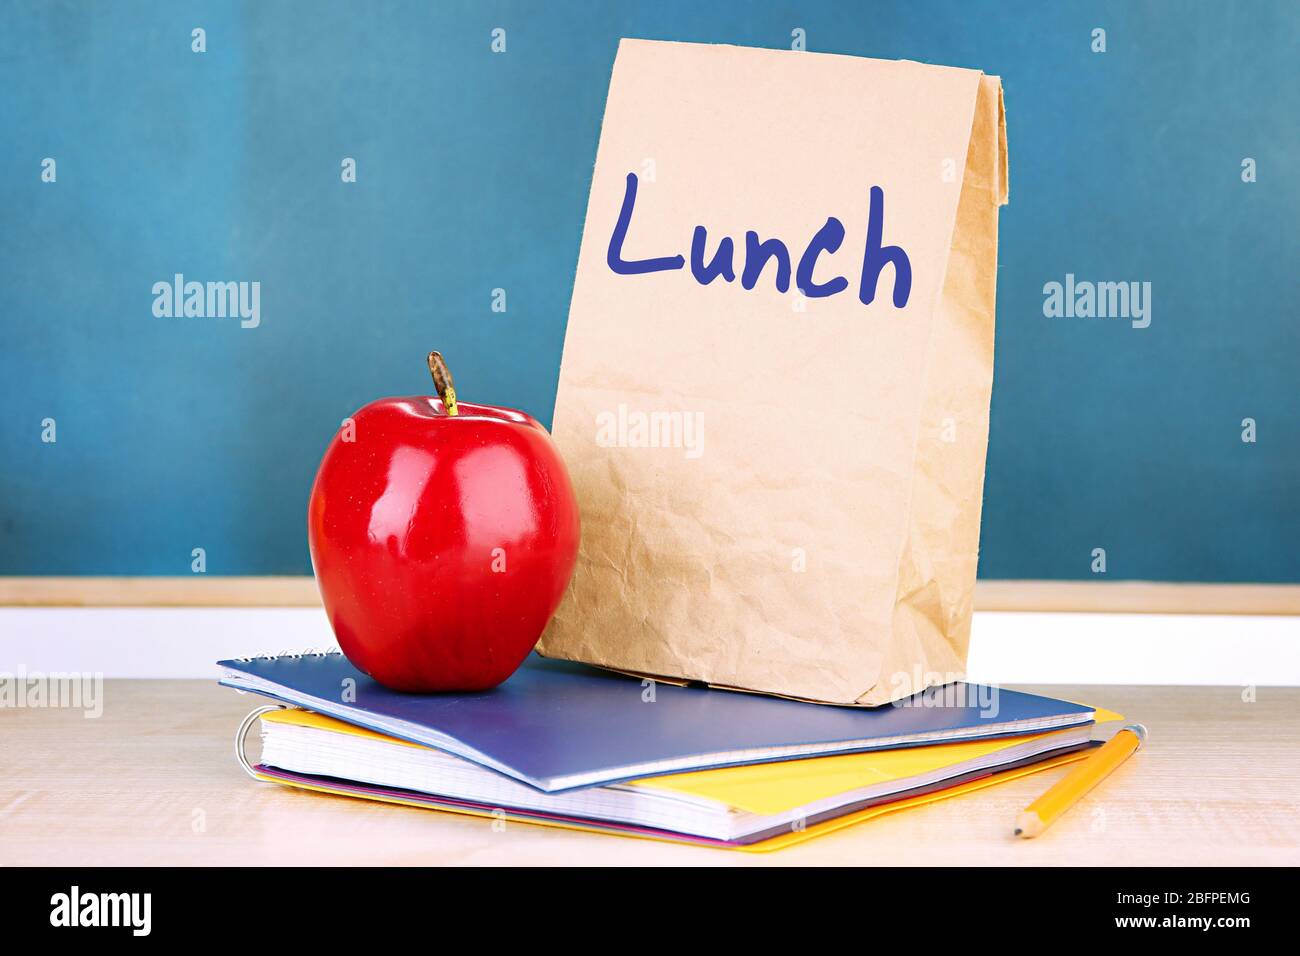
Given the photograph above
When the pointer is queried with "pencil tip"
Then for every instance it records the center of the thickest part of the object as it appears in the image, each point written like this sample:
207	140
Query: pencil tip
1019	831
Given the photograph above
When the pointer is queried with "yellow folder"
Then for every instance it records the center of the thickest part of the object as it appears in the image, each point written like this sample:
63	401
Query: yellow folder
760	788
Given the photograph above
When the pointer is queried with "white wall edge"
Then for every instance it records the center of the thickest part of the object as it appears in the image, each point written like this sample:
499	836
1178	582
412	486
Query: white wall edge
1006	647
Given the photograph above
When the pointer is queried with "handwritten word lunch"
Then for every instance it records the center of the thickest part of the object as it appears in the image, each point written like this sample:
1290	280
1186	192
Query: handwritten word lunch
758	252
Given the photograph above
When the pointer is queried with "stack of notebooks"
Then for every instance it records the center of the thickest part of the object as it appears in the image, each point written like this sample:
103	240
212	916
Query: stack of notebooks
566	745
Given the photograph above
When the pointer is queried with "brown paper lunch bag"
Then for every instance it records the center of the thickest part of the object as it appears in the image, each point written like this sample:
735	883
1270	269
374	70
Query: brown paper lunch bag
774	393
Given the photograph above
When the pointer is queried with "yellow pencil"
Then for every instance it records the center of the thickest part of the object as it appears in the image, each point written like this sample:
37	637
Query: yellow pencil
1067	791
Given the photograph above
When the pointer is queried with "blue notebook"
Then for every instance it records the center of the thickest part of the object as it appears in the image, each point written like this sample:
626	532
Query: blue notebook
556	725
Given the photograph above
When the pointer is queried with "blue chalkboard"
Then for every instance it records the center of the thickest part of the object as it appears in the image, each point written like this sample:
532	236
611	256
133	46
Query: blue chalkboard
472	169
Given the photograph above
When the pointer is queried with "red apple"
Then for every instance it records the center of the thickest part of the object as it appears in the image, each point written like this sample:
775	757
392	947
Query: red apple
443	535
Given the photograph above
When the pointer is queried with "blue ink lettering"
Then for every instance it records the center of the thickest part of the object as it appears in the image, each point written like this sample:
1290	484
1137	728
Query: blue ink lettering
721	263
877	257
615	255
756	256
828	239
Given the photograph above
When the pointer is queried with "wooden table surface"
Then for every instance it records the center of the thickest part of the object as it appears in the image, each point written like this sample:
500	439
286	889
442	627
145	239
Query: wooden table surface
153	781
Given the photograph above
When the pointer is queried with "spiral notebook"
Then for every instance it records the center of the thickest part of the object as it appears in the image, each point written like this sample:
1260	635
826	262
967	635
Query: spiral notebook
730	806
557	725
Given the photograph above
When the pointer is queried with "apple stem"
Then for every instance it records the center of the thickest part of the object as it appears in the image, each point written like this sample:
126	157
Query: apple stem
442	382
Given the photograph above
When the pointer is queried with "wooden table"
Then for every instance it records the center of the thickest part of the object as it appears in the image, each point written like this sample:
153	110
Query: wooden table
153	781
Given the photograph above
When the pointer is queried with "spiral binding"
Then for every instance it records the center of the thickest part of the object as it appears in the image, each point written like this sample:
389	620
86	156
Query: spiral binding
241	735
321	652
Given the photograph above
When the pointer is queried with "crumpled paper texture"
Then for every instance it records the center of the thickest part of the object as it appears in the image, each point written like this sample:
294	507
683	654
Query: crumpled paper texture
782	494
